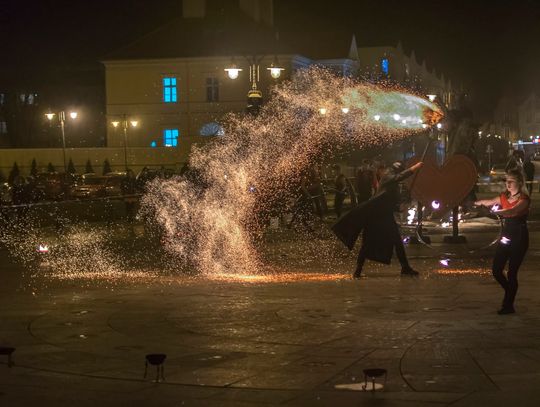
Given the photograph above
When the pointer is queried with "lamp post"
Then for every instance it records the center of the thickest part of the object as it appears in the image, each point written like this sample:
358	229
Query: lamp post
125	122
62	119
254	94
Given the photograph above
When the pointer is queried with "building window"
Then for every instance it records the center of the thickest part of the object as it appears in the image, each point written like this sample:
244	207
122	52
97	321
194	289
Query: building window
211	129
385	66
3	128
169	90
170	137
153	143
28	98
212	89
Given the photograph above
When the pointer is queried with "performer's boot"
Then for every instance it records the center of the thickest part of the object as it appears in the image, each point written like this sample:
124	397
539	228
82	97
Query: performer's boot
358	272
507	306
409	271
506	310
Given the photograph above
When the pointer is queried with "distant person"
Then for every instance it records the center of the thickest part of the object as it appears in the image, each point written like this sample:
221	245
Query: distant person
528	169
314	188
515	160
20	196
364	182
129	190
514	242
340	187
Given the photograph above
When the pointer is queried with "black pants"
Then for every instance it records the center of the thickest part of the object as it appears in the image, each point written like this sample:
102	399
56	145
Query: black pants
513	253
398	247
338	203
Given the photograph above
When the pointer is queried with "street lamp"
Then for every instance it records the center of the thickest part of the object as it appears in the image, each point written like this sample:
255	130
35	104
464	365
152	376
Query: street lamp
62	119
254	94
125	122
431	97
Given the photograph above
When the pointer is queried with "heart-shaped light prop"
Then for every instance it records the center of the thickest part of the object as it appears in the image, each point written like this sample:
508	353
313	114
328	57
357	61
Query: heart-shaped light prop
447	186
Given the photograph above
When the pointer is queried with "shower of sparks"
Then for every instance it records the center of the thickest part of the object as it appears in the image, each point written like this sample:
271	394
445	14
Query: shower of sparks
464	272
282	277
214	219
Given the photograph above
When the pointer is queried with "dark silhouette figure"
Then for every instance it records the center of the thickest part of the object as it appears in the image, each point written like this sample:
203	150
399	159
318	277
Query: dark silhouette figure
340	187
364	182
375	219
528	169
129	189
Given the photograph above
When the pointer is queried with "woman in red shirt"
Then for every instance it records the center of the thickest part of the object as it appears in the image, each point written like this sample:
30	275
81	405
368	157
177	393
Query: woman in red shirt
513	206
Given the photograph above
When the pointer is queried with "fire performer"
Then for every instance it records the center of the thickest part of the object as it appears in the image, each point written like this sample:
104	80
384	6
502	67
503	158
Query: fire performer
513	205
375	219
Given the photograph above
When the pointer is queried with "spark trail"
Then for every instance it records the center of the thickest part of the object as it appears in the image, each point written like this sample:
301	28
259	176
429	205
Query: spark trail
212	220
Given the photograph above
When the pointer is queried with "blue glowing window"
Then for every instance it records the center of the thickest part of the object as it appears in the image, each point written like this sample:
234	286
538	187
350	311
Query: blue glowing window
169	90
385	65
153	143
170	137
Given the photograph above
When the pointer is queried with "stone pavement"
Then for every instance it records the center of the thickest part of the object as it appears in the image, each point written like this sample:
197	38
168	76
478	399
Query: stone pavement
286	341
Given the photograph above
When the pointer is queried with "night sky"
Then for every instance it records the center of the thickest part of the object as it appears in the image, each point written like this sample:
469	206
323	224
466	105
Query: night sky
492	47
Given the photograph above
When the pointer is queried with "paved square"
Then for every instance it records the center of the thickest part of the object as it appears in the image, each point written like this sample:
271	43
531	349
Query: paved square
273	341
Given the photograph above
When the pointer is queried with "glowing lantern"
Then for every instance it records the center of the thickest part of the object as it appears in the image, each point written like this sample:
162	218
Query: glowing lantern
233	71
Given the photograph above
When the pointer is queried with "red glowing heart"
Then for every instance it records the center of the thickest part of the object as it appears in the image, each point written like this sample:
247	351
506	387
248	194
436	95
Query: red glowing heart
448	185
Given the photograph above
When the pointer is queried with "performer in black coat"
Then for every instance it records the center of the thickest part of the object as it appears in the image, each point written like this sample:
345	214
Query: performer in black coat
375	218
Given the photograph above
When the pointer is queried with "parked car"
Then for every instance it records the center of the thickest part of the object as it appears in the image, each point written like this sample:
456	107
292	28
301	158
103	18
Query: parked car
146	175
97	186
113	185
52	185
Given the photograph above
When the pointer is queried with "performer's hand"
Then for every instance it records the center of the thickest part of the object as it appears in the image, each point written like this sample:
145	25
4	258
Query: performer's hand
417	166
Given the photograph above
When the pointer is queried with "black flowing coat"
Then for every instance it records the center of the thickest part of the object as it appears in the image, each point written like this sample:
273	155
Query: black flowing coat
375	220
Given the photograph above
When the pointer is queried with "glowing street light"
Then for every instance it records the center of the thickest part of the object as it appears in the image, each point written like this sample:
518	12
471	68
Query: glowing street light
233	72
125	124
254	95
345	110
396	117
432	97
377	117
62	119
439	126
323	110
